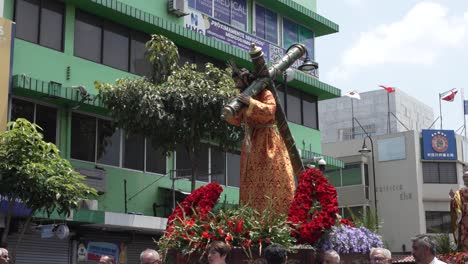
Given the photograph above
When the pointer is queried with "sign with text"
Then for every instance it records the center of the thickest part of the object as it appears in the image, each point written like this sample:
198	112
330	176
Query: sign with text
211	27
18	208
91	251
439	145
6	55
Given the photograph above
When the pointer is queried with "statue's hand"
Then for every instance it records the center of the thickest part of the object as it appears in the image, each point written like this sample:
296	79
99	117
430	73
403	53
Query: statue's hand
244	98
451	193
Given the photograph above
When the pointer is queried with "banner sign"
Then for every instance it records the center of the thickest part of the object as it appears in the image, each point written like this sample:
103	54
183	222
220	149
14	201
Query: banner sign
6	55
92	251
439	145
19	208
211	27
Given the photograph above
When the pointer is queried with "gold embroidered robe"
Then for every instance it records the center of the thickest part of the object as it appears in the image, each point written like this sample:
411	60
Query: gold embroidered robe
266	169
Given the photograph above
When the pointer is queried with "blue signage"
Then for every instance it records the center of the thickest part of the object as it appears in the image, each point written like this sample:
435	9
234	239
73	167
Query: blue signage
222	10
19	208
439	145
239	14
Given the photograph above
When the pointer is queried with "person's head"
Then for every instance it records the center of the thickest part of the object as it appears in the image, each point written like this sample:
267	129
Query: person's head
276	254
380	255
331	257
4	258
424	249
106	260
149	256
465	178
217	252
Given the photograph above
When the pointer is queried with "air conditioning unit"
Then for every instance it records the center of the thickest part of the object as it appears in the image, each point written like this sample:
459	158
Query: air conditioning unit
178	7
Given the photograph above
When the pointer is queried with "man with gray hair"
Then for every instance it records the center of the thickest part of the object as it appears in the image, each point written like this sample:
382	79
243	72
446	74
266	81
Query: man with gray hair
424	250
331	257
149	256
4	258
380	255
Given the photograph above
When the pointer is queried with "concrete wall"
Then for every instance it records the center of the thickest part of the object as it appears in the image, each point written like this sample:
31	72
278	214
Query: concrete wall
2	3
399	187
372	109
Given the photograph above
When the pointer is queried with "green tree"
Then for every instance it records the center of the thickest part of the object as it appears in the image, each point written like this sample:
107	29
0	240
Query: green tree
180	108
32	171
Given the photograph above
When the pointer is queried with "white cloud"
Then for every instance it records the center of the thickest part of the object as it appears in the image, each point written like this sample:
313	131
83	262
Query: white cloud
420	38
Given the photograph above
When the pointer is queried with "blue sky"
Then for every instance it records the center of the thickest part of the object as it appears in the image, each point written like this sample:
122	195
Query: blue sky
419	47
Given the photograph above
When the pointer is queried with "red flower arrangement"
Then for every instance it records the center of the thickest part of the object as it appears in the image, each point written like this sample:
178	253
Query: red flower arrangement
199	202
347	222
309	219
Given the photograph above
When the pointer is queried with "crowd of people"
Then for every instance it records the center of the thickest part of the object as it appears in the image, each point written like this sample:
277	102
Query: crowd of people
423	251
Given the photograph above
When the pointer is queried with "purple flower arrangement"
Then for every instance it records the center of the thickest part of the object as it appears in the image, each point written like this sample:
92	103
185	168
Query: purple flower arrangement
346	240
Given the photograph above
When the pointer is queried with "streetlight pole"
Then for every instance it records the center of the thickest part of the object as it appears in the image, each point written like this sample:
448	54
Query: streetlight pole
365	150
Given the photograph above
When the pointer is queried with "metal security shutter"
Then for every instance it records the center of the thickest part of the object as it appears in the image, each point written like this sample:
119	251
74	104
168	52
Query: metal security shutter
139	244
37	250
135	243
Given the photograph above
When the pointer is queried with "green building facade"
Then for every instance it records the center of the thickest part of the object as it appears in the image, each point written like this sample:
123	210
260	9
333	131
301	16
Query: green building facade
62	46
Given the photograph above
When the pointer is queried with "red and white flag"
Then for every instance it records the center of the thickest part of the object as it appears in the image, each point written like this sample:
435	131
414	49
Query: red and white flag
449	96
353	94
389	89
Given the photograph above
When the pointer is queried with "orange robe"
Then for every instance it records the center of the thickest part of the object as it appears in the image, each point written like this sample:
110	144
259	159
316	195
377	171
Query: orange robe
459	213
266	169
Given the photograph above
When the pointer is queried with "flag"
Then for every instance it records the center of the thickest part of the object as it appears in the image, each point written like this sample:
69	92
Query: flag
465	104
388	88
353	94
449	95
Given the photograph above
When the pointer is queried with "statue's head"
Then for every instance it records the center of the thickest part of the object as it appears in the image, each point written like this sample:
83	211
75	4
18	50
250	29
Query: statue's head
243	78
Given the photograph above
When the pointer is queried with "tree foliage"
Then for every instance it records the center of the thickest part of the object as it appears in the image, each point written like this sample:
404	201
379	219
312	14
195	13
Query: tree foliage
32	171
183	109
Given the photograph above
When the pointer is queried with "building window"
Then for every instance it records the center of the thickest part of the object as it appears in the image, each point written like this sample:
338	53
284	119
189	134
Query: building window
95	140
224	167
111	44
44	116
295	33
155	159
437	222
115	51
309	111
353	212
233	169
440	172
40	22
88	37
83	137
139	63
352	174
233	12
294	106
348	134
266	24
134	152
108	143
334	176
218	166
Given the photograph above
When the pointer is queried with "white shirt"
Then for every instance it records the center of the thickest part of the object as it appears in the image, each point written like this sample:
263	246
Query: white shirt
436	261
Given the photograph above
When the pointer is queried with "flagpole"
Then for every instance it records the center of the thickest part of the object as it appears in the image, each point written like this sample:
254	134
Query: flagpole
352	116
388	113
440	111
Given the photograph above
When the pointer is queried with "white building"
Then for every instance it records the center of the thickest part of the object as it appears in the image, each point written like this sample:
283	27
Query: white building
335	115
412	191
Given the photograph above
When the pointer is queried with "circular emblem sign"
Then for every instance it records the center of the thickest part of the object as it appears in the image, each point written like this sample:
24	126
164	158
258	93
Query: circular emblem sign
439	143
